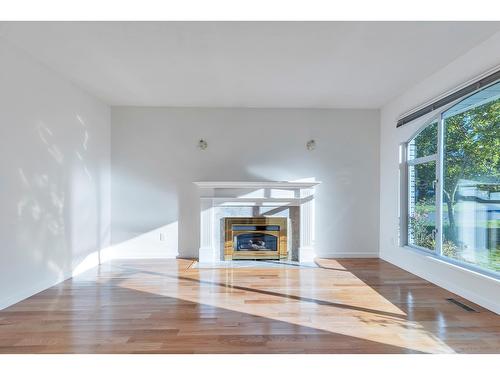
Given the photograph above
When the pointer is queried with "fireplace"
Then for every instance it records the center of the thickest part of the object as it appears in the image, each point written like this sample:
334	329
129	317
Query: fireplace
292	200
255	238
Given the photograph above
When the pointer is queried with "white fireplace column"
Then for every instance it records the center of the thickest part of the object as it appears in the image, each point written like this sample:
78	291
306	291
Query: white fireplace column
207	252
307	235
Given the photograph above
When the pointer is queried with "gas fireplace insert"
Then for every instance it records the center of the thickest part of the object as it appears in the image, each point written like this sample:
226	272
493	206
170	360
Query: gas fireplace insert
255	238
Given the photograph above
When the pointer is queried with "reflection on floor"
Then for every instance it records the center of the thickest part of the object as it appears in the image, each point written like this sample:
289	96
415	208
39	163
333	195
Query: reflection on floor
169	306
254	264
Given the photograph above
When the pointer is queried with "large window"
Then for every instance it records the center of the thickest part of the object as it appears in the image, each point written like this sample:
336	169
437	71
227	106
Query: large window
453	183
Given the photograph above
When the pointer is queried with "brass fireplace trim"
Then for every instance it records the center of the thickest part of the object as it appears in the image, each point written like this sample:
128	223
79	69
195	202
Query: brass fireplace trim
230	253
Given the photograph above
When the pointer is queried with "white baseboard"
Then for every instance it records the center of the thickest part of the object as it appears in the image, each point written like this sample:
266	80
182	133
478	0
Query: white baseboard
370	254
34	289
468	294
207	254
143	256
306	254
119	252
90	261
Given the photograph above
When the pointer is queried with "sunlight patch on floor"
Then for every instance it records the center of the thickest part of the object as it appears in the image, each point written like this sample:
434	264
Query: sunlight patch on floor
221	289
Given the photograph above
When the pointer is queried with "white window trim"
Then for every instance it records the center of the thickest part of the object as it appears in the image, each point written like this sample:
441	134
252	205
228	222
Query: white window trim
423	159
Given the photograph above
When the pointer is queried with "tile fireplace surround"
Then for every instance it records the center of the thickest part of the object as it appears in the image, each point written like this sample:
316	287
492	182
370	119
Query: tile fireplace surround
225	198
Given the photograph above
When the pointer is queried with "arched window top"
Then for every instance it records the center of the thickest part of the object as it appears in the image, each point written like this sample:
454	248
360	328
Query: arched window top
488	95
424	143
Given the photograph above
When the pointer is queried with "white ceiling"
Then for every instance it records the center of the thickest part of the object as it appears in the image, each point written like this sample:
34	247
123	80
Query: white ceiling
247	64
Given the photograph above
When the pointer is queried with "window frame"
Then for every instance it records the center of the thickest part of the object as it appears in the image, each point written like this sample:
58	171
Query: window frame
418	161
404	197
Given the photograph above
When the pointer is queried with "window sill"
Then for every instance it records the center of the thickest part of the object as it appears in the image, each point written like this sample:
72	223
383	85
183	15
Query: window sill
463	267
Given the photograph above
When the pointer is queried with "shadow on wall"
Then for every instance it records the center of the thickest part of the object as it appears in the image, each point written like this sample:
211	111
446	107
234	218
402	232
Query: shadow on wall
139	228
160	242
59	212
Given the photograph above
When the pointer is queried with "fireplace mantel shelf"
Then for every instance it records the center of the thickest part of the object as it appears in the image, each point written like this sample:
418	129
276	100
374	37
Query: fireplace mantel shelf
248	201
256	184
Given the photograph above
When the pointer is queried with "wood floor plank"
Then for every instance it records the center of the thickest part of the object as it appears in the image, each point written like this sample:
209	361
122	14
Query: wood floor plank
167	306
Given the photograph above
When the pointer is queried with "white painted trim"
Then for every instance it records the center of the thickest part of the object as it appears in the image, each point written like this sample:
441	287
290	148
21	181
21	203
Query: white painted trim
90	261
207	254
455	264
367	254
26	293
255	184
306	254
113	252
422	160
170	255
246	201
468	294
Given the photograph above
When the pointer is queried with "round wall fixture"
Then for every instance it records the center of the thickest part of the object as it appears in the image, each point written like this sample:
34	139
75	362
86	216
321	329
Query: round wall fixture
202	144
311	145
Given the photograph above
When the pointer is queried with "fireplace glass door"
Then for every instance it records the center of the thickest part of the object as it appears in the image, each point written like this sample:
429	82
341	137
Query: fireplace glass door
255	241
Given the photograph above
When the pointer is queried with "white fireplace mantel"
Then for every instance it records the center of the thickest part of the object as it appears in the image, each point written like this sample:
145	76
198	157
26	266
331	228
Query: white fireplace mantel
256	184
255	193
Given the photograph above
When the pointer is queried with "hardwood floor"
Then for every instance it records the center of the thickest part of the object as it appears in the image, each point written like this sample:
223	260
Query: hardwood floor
166	306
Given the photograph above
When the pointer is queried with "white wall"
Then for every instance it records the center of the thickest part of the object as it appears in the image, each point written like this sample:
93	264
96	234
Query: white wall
54	177
475	287
155	160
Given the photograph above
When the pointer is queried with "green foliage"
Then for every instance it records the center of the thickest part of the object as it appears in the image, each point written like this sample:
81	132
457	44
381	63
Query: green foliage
450	249
472	152
423	235
425	142
420	230
472	146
